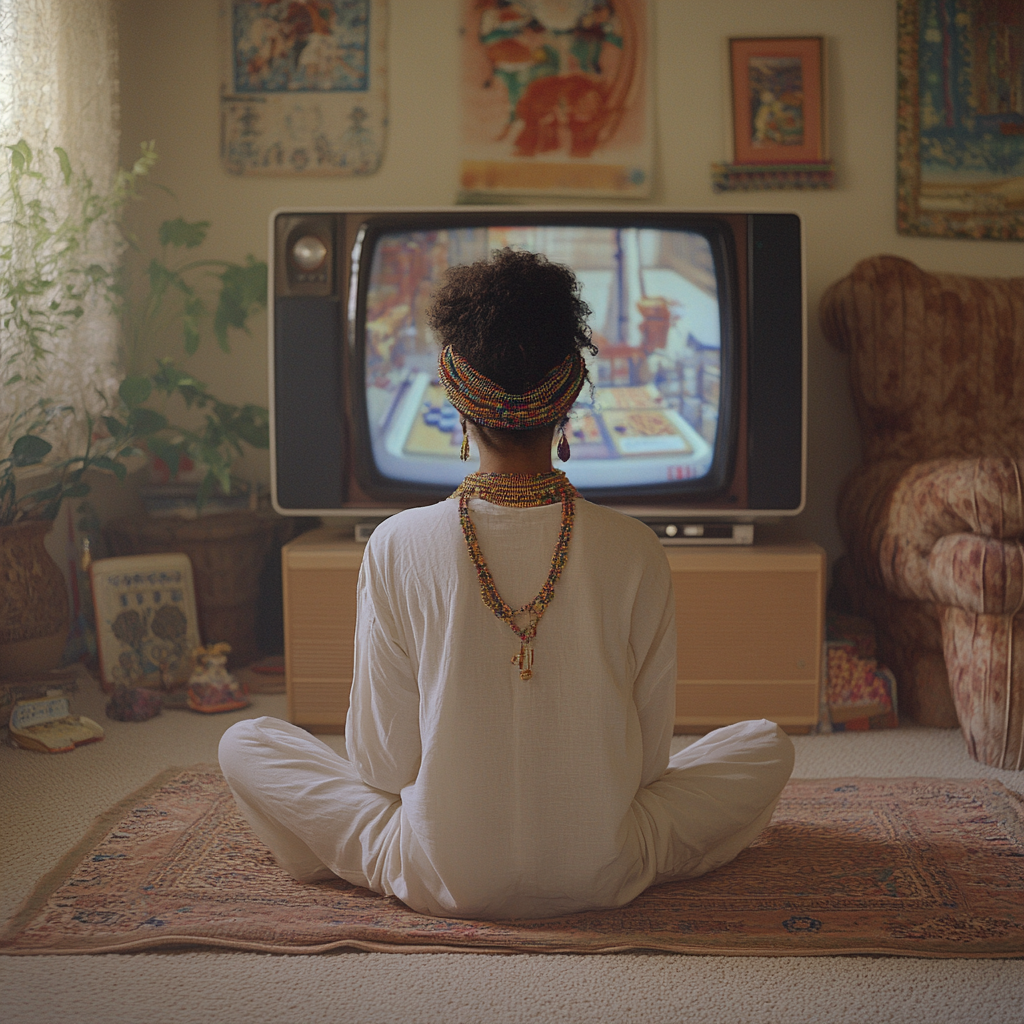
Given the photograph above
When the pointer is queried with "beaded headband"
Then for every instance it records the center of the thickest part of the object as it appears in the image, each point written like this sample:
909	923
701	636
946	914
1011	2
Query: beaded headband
484	402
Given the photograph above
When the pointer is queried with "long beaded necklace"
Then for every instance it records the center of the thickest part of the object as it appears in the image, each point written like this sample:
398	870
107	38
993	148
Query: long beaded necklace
518	491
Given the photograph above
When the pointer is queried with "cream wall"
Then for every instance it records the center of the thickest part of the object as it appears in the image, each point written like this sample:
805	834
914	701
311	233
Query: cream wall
169	92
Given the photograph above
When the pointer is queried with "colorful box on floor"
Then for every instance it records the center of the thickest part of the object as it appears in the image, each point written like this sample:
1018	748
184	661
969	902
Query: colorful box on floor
859	694
46	724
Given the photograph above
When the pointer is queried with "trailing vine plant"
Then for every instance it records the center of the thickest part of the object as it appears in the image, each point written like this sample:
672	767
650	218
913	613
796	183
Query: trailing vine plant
47	281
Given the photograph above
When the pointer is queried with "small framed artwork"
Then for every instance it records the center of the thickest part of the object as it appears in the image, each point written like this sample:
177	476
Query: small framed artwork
303	86
146	621
778	100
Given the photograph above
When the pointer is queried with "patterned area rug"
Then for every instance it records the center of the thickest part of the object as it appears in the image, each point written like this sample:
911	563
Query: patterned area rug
920	867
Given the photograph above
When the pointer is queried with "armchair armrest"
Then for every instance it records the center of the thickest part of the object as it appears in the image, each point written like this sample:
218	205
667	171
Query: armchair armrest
982	575
952	532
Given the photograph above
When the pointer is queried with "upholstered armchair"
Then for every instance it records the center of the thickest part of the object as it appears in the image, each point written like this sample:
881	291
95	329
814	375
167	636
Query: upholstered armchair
932	518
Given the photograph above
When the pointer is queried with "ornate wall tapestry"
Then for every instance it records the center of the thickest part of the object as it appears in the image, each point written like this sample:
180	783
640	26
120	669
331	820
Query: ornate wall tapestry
304	86
556	98
960	122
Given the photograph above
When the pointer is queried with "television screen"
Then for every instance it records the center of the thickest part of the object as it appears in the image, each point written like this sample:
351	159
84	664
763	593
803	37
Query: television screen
655	416
698	408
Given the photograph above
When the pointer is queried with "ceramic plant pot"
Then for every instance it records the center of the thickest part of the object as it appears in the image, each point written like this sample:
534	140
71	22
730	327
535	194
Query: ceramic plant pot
34	616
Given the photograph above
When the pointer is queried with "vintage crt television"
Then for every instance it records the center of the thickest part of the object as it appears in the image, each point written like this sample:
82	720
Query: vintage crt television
696	422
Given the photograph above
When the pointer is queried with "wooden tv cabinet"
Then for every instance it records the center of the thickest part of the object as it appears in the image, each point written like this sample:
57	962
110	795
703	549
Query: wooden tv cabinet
750	622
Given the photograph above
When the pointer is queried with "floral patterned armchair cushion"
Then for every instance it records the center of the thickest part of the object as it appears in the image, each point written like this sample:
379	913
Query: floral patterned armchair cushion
933	518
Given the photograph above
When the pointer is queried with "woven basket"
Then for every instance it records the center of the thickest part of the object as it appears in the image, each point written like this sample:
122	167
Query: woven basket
33	601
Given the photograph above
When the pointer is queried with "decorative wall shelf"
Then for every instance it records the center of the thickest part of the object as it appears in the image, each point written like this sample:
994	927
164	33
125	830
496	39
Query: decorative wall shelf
756	177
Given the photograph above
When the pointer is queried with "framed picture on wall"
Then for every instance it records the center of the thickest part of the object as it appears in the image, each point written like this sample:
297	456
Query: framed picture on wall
778	100
556	99
303	86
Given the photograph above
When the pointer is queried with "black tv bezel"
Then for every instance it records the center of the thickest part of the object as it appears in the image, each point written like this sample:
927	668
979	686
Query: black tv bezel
720	236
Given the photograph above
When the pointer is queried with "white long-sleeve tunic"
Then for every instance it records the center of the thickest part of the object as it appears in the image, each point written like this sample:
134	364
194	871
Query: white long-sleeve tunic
515	794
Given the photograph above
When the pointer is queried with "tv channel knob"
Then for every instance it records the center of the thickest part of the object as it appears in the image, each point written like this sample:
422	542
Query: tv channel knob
308	254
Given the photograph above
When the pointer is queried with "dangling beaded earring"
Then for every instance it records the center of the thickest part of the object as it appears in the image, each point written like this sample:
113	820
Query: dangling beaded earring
464	450
563	445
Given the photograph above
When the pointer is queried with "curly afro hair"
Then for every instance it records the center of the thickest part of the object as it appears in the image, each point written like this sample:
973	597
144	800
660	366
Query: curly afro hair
512	317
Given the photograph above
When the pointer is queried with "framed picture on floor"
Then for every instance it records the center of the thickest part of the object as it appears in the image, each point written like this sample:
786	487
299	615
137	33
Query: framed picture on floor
778	100
146	621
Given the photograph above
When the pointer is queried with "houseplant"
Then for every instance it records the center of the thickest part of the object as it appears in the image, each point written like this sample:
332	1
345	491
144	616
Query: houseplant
173	291
51	216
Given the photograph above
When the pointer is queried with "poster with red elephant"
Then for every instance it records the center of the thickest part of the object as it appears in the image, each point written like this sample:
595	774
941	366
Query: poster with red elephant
556	98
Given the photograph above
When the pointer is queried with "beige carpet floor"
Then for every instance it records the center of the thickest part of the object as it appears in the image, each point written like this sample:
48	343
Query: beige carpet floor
48	801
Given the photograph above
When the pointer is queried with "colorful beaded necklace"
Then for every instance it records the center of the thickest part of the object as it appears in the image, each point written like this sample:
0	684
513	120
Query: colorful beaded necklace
518	491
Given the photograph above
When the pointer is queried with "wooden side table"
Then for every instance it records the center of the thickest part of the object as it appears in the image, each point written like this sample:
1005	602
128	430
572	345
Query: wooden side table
751	625
750	621
319	572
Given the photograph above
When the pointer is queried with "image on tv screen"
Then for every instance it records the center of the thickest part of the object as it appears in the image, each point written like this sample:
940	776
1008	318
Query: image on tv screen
653	416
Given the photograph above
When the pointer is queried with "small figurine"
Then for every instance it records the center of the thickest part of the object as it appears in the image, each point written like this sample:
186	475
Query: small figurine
211	687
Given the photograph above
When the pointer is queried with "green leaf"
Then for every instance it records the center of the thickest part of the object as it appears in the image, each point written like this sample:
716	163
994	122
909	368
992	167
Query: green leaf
194	310
224	479
46	493
191	337
21	155
114	426
182	234
146	421
65	164
135	390
159	277
29	450
169	378
243	290
79	490
251	424
119	469
146	160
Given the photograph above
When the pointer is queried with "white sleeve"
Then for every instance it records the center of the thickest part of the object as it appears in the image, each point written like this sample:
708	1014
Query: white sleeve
653	642
382	734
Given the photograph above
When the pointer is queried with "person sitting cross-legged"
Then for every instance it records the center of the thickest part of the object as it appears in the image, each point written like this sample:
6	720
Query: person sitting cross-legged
513	693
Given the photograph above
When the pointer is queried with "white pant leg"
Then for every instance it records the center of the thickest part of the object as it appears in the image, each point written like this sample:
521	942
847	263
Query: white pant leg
715	798
308	804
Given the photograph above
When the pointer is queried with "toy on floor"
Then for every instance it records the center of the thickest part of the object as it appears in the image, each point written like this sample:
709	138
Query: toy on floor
211	687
